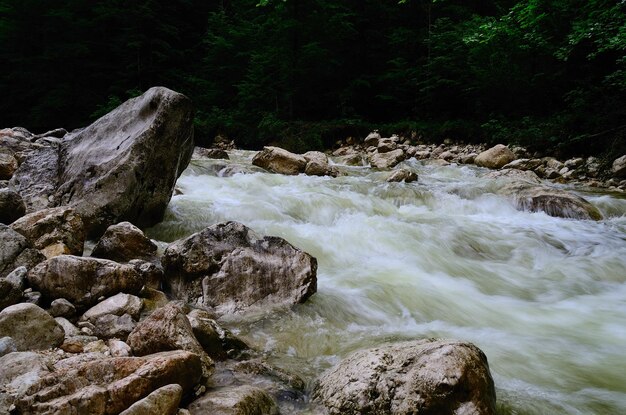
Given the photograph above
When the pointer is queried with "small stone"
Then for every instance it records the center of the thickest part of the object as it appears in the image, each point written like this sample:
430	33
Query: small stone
62	308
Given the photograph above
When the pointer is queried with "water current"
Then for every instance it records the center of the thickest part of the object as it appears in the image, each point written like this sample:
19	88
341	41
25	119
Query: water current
543	297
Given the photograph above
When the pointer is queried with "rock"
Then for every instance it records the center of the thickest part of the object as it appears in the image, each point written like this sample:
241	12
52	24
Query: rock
12	206
11	287
57	132
280	378
235	400
552	163
8	163
402	175
82	281
117	305
278	160
230	268
70	329
495	158
523	164
7	345
124	242
387	160
426	376
619	167
110	326
317	164
20	370
352	159
153	299
57	249
33	297
118	348
385	145
217	342
163	401
468	158
574	163
30	327
210	153
552	201
151	272
53	226
514	175
167	329
62	308
372	139
16	251
109	386
121	167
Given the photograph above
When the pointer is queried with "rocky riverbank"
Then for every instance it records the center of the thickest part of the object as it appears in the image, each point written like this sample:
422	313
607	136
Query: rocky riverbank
128	328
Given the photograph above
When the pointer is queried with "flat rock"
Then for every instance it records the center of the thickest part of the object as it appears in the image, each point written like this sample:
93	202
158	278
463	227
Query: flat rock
30	327
235	400
496	157
53	226
82	280
231	268
426	376
278	160
124	242
12	206
109	386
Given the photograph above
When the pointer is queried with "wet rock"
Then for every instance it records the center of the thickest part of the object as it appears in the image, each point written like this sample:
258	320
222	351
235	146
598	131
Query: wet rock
210	153
496	157
235	400
109	386
124	242
523	164
468	158
387	160
167	329
163	401
230	268
83	281
52	227
402	175
514	175
278	160
217	342
618	169
30	327
426	376
317	164
279	379
104	171
62	308
8	163
12	206
11	287
16	251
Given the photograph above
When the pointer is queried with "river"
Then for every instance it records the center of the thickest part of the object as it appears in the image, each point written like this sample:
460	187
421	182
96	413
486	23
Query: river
543	297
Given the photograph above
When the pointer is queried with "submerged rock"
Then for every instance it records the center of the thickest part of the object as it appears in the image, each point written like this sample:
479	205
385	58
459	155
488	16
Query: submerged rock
428	376
121	167
230	268
496	157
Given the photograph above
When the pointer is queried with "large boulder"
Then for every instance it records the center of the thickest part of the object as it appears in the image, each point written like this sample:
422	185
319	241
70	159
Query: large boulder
496	157
16	251
121	167
231	268
30	327
165	329
317	164
12	206
278	160
235	400
124	242
619	167
387	160
427	376
109	386
82	280
54	226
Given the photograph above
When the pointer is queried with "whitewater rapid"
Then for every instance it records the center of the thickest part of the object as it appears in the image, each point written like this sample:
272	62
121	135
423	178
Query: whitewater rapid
543	297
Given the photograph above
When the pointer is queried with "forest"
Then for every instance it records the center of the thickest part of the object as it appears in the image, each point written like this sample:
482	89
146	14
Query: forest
547	74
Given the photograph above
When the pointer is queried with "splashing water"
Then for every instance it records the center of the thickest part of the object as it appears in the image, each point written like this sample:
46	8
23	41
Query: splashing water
543	297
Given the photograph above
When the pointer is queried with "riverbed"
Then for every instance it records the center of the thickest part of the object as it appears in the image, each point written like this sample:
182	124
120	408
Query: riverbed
446	256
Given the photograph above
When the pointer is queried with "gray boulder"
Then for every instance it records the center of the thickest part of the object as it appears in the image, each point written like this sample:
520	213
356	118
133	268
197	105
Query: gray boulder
12	206
54	226
278	160
117	305
30	327
496	157
16	251
124	242
121	167
82	281
427	376
62	308
231	268
235	400
11	287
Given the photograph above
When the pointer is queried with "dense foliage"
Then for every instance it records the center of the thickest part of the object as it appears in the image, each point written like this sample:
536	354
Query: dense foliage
546	73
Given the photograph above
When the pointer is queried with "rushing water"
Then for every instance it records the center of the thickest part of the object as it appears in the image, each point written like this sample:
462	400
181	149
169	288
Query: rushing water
543	297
